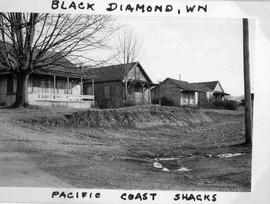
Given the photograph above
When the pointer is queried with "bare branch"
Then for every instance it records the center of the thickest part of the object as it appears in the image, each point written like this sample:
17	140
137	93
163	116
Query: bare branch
31	41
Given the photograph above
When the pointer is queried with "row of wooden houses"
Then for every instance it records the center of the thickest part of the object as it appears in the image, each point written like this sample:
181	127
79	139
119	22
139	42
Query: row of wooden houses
183	93
106	86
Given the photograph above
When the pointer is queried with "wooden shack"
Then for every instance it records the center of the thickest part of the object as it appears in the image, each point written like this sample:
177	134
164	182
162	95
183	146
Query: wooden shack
178	92
121	84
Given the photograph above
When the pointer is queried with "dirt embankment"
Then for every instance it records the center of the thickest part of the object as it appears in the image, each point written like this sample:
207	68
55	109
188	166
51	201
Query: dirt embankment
132	117
127	157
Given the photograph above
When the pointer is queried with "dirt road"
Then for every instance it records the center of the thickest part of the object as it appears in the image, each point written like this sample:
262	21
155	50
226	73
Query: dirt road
39	155
16	167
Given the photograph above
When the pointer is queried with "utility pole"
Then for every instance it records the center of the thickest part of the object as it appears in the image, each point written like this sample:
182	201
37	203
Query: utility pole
248	107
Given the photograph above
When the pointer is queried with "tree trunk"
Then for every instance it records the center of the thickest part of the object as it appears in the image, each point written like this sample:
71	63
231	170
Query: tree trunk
21	92
126	91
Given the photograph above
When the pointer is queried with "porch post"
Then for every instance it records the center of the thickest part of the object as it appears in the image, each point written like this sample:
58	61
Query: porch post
159	95
68	85
81	87
93	87
148	94
49	85
143	93
180	97
189	94
54	84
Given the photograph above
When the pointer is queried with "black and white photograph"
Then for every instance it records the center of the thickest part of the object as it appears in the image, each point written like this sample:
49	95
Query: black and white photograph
97	101
130	103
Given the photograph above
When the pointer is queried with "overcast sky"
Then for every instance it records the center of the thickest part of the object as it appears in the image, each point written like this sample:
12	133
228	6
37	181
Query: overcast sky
197	49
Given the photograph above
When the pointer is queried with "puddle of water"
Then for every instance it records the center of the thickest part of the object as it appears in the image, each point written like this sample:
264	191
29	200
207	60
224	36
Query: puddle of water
192	157
208	155
157	165
229	155
165	169
183	169
168	159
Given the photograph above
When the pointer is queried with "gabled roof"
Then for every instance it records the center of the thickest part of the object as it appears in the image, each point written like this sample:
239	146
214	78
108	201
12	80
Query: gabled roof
115	72
63	67
184	85
202	87
210	84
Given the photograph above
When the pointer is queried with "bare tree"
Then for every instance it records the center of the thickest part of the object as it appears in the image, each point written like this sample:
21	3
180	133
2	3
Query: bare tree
128	51
32	41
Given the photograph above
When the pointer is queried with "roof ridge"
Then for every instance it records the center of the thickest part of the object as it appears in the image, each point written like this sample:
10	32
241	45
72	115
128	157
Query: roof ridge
114	65
205	82
178	80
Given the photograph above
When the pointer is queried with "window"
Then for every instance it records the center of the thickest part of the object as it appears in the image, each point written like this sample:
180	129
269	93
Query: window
107	92
10	84
44	85
36	85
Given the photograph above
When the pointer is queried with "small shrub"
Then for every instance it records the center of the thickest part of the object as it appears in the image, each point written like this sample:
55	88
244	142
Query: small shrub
230	105
110	104
3	104
127	103
206	104
95	105
113	104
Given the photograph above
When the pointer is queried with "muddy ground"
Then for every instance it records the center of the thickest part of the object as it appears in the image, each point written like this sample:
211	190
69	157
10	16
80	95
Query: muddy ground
41	147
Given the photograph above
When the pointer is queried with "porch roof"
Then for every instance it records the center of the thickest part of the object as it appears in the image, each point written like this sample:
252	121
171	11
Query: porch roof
64	67
57	72
222	93
61	67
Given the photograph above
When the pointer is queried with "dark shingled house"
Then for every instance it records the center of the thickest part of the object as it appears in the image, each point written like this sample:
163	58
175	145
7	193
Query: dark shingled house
110	83
178	92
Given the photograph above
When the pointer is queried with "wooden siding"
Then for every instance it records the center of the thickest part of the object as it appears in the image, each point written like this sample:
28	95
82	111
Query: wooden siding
177	96
170	91
140	94
189	98
204	98
218	88
111	94
136	74
116	92
5	97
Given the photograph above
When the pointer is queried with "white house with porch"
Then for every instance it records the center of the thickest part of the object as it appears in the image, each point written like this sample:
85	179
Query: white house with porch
213	91
60	85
